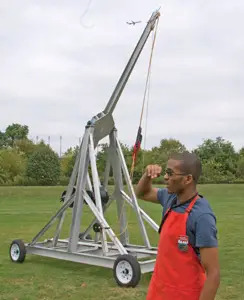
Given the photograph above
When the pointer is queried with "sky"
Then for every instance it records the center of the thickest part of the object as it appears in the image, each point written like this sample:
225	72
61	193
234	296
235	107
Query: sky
60	61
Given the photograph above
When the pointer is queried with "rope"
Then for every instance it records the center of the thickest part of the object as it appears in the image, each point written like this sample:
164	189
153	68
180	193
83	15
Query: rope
146	122
148	72
145	94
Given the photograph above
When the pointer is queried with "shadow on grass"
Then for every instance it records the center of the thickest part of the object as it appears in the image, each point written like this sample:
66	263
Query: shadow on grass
66	267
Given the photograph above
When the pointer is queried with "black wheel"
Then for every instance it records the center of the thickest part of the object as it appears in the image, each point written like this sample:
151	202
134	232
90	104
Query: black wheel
17	251
104	195
97	227
92	196
127	271
88	237
63	196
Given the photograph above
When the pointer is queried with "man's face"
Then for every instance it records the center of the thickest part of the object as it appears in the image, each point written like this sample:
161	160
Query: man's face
174	177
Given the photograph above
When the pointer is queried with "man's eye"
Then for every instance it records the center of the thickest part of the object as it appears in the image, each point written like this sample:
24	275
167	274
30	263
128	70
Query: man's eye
169	172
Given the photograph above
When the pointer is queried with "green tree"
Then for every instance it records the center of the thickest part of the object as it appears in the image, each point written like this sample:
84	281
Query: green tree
3	139
25	146
219	160
101	159
160	155
3	177
43	166
12	166
241	152
170	146
67	162
16	132
240	168
70	155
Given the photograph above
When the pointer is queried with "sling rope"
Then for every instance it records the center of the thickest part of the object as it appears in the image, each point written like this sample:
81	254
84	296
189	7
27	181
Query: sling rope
146	123
137	144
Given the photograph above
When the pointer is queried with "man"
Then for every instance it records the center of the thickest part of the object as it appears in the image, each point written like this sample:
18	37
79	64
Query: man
187	266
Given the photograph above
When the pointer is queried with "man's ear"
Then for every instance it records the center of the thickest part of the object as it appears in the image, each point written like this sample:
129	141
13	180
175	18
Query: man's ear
189	179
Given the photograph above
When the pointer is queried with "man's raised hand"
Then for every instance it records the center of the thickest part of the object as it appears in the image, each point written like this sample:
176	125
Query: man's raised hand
153	171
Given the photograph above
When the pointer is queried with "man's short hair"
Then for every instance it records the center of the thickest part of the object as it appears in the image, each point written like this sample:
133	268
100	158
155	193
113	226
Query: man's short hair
191	164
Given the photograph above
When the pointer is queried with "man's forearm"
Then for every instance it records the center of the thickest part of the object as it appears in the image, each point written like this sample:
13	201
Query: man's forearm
144	185
210	287
144	189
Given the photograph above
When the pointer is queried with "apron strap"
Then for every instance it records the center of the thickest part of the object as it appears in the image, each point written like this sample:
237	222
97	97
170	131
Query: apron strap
163	219
189	208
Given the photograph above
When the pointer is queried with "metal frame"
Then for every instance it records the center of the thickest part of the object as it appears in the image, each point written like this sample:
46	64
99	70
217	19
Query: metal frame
100	251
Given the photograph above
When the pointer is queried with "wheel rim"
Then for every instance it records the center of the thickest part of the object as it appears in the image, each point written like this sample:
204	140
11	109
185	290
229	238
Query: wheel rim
124	272
15	252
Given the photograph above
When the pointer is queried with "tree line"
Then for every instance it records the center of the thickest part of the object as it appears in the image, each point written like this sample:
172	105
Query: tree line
22	162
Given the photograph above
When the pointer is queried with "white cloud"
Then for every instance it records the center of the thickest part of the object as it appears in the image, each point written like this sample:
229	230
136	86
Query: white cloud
57	69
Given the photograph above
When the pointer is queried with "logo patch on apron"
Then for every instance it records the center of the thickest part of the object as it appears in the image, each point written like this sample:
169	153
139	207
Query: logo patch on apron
183	243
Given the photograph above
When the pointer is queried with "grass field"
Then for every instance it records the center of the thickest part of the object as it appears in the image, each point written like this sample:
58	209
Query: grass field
25	210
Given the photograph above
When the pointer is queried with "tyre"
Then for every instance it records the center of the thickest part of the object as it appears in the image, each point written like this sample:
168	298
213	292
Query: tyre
88	237
97	227
17	251
127	271
63	196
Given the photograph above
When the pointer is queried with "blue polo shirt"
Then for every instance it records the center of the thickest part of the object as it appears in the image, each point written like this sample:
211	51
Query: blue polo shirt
201	223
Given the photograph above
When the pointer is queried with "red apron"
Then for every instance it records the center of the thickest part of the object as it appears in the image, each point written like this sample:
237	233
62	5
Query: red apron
178	273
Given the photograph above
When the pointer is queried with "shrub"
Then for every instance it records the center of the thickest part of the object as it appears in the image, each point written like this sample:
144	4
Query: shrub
43	166
68	161
12	164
